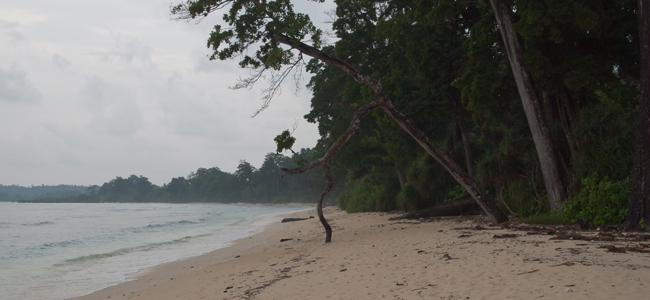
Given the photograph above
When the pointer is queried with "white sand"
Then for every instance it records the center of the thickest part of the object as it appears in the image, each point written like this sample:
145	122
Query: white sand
373	258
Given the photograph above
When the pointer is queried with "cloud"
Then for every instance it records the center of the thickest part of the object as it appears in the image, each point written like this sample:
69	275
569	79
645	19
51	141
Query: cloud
60	61
14	87
113	107
189	112
129	50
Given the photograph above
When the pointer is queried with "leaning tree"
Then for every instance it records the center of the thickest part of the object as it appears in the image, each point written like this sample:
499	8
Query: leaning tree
279	36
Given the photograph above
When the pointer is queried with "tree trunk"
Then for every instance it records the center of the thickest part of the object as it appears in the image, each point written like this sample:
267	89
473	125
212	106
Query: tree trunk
466	146
555	187
639	200
486	202
549	107
567	117
400	176
463	205
252	195
328	188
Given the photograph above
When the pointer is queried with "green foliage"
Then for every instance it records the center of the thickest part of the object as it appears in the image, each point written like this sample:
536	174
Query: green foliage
361	197
284	141
442	62
410	199
601	201
605	136
373	192
455	193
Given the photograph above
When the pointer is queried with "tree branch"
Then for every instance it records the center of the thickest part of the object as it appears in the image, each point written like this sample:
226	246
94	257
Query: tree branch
344	138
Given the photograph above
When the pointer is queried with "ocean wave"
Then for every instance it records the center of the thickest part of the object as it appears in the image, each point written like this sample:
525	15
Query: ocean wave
125	251
170	224
61	244
38	223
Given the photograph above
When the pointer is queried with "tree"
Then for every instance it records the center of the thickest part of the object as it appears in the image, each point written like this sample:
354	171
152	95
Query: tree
178	188
549	161
245	172
274	24
639	201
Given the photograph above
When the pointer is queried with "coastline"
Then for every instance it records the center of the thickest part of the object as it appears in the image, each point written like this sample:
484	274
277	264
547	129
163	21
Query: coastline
371	257
164	272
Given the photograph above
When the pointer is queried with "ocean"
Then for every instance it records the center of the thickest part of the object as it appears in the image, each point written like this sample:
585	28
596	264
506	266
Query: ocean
58	251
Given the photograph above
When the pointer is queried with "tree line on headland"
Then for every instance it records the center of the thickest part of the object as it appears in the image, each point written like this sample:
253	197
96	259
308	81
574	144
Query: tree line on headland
247	184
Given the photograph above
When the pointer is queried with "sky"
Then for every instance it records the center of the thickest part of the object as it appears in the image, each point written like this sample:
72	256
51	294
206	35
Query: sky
92	90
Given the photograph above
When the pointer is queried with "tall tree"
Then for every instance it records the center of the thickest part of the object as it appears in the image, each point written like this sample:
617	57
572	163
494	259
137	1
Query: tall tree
245	173
639	201
548	158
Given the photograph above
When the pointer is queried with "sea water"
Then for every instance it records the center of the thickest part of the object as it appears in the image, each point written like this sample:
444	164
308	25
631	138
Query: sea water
58	251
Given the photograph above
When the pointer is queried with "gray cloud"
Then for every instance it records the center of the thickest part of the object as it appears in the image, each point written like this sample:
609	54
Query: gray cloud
12	31
129	50
60	61
14	87
113	107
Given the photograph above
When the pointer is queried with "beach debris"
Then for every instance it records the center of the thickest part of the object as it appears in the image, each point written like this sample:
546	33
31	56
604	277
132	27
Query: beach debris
400	284
533	271
284	240
464	235
237	256
343	270
614	249
569	290
286	220
447	257
421	251
568	263
505	236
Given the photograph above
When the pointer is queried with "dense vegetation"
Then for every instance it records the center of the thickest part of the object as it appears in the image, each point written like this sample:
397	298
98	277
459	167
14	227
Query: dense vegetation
445	66
246	184
538	101
21	193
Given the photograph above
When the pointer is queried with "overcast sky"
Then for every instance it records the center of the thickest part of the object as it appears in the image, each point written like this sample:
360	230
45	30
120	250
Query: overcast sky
91	90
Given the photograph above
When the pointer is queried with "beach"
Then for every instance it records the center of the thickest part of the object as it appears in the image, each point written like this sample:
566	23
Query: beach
372	257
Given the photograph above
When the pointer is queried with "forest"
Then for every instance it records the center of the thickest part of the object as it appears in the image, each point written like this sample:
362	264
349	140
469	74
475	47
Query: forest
247	184
528	106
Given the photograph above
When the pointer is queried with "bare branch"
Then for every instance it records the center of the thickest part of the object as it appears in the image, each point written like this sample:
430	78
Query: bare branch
344	138
275	83
249	82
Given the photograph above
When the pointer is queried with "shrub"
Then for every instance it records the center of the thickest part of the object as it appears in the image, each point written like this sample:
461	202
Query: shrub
410	199
600	201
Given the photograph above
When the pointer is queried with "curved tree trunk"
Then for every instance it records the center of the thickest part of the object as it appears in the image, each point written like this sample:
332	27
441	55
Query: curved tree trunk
548	159
639	200
328	188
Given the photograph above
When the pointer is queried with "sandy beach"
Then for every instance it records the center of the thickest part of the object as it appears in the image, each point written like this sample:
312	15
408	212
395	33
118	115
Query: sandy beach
371	257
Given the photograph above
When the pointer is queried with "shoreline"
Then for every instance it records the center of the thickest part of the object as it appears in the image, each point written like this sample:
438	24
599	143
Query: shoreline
372	257
165	272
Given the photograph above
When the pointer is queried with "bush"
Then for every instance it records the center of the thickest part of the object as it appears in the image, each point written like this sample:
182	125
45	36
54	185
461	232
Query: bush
600	201
410	199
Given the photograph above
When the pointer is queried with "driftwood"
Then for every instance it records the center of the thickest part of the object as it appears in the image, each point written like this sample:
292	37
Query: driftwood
463	205
286	220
